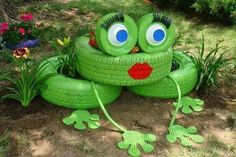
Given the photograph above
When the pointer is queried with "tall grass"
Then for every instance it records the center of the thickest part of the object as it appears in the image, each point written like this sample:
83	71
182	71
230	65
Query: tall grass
26	82
211	65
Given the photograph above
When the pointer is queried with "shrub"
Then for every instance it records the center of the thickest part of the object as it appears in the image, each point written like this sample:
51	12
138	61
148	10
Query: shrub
211	65
177	3
224	10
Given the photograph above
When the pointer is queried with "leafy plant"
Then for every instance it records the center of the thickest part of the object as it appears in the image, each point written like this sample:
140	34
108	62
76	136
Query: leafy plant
27	81
210	65
65	48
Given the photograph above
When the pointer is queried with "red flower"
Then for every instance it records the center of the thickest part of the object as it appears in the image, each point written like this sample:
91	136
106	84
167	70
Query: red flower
92	42
3	27
22	31
27	17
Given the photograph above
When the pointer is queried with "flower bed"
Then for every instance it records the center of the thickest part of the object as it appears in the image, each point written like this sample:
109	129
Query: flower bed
21	34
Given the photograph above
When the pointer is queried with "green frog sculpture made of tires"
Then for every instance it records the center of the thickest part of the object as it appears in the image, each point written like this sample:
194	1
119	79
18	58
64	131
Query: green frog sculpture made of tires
110	66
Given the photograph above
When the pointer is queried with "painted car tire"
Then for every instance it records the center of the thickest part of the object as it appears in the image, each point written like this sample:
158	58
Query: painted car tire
102	35
73	93
97	66
185	75
144	23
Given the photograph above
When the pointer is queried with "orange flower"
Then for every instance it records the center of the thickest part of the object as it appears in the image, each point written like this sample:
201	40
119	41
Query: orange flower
21	53
135	50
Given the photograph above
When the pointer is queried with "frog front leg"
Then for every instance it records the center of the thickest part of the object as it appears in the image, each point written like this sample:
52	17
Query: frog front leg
131	139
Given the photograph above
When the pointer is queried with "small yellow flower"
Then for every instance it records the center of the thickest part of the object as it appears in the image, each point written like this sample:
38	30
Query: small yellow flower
60	42
64	42
21	53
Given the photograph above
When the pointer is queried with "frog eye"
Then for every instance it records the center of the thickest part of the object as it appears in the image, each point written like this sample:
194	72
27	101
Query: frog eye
116	34
156	33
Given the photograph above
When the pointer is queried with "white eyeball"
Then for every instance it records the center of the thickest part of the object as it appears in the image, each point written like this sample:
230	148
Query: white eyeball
118	34
156	34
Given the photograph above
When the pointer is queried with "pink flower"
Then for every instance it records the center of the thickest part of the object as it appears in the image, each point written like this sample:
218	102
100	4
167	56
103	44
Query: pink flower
27	17
3	27
22	31
15	28
29	31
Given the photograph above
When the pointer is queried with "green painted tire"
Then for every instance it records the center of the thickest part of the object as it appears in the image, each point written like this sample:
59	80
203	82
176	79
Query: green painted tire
185	75
143	24
73	93
103	40
97	66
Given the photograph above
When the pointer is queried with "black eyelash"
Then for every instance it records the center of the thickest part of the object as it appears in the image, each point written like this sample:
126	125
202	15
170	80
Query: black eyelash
162	19
119	17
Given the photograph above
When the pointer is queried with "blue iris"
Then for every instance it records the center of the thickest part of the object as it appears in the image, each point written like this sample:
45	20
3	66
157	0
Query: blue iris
122	36
159	35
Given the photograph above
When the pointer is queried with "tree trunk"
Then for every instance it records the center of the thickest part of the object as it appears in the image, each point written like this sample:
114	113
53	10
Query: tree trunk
8	11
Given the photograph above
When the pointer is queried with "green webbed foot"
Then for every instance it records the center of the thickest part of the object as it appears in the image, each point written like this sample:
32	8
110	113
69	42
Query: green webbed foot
185	135
131	139
188	105
79	117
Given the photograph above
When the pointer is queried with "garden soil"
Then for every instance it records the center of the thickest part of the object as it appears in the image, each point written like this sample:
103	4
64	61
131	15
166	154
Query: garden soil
38	130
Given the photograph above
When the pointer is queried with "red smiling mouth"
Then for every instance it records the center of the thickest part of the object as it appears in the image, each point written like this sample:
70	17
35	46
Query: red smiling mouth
140	71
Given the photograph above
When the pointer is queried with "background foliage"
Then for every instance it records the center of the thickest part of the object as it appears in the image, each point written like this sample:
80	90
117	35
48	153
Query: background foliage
223	10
